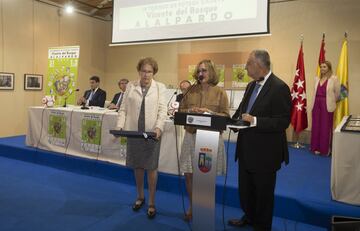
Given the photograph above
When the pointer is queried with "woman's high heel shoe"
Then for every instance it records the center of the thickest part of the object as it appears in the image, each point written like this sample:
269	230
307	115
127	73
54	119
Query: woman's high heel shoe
151	212
138	204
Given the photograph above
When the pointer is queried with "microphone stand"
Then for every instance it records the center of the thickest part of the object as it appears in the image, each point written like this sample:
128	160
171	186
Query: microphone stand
65	102
68	97
190	88
175	93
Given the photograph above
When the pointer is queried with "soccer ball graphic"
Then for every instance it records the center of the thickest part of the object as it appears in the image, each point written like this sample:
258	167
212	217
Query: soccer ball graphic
48	101
174	106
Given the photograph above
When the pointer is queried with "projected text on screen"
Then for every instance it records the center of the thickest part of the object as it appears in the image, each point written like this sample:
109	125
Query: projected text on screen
140	20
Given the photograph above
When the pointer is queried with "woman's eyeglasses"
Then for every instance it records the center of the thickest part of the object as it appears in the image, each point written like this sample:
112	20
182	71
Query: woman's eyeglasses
202	71
144	72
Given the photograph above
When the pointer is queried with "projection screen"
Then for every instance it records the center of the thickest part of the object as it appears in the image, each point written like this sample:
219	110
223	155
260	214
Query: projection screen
145	21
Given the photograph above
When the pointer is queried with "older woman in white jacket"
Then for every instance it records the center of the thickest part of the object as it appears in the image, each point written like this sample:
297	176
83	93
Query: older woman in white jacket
327	92
144	109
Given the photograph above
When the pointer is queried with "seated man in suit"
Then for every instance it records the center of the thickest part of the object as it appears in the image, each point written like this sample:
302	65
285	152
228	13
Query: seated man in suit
184	86
116	102
95	96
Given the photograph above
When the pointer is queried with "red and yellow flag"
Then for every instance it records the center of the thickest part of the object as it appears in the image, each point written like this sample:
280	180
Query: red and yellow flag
321	55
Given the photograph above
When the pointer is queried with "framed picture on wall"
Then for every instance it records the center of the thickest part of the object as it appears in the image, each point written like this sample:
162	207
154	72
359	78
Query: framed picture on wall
33	82
7	81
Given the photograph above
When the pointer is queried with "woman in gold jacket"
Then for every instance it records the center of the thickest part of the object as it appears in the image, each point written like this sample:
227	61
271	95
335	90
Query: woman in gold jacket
203	97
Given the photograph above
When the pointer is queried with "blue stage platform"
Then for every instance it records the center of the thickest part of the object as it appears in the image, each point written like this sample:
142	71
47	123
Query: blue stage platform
302	190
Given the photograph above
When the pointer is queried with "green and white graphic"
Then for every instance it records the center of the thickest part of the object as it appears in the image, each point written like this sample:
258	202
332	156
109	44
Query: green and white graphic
123	145
57	128
91	133
62	73
191	69
220	71
240	77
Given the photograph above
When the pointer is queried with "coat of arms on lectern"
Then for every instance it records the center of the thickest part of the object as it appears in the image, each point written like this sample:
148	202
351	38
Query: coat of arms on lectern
204	162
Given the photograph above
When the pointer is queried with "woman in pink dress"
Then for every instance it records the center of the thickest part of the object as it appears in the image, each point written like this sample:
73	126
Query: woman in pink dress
327	92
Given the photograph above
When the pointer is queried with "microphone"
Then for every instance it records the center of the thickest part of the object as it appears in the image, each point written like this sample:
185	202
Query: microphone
170	110
199	79
175	93
190	88
77	89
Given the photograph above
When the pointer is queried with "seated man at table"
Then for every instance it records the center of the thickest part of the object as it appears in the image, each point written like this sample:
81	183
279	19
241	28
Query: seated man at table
116	102
184	86
95	96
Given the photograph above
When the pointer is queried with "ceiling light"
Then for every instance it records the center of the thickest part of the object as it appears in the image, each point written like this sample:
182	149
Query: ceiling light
69	9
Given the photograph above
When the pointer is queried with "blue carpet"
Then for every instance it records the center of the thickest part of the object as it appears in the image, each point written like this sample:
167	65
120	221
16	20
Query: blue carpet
35	197
302	191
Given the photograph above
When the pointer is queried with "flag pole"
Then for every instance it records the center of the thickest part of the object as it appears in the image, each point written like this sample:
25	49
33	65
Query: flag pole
297	144
342	106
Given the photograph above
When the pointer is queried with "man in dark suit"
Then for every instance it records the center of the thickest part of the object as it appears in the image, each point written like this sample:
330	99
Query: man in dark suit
95	96
116	101
262	148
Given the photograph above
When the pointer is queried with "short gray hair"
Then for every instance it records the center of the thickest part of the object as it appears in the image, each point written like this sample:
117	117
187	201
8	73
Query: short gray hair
123	80
263	57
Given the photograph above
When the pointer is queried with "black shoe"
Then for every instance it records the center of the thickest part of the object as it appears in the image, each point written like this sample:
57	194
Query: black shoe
239	222
151	212
138	204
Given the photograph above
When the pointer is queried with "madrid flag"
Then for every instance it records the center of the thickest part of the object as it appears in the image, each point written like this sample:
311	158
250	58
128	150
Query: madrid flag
298	94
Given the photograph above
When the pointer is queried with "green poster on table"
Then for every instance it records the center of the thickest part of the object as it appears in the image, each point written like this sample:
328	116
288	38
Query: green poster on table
57	128
91	133
62	73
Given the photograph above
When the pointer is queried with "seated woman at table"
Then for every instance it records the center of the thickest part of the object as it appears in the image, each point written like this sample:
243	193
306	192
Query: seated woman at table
144	109
202	97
